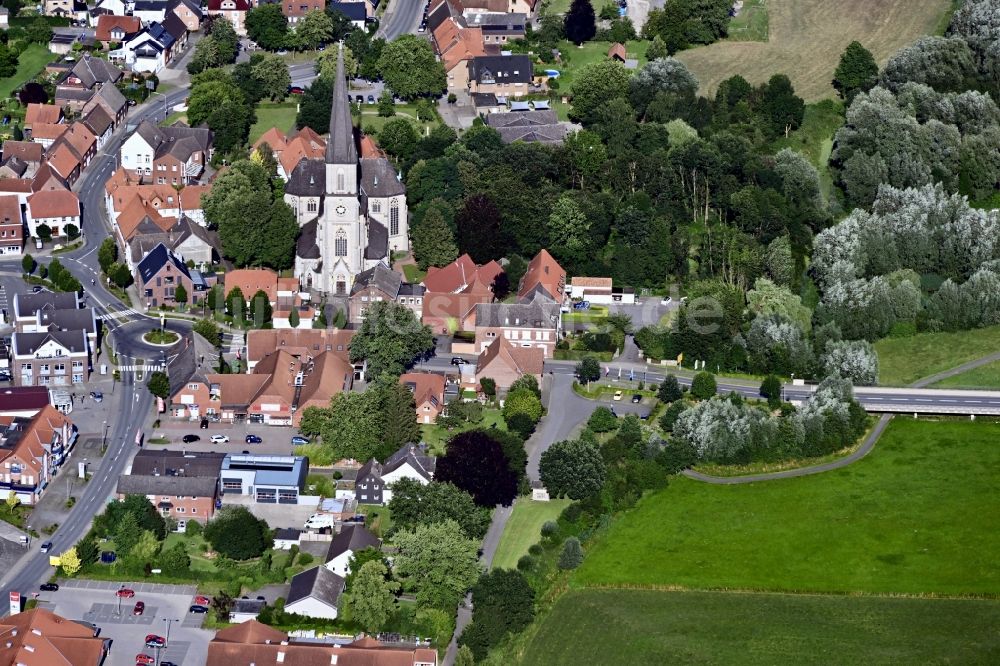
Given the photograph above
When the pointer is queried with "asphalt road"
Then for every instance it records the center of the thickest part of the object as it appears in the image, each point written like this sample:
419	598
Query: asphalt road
401	17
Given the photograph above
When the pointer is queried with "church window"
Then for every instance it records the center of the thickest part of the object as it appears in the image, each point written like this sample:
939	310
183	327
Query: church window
311	206
340	181
340	244
376	206
394	219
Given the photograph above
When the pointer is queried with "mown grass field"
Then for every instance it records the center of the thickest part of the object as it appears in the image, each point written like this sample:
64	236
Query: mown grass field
647	627
31	62
750	25
575	58
274	114
903	361
524	529
807	37
920	514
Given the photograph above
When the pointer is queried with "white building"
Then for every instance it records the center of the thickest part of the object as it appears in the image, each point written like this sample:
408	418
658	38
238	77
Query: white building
352	538
315	593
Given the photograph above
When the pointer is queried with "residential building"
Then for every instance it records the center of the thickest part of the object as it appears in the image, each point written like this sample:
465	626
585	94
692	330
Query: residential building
177	497
41	114
90	72
111	28
448	313
255	643
174	155
150	11
34	313
454	291
536	126
159	274
11	225
356	12
189	241
497	29
39	637
100	123
188	11
112	101
301	343
364	213
316	593
131	205
251	280
544	277
28	308
286	537
504	363
457	44
352	539
289	151
26	153
508	75
234	11
149	50
428	394
23	401
381	283
53	358
64	8
534	324
267	479
461	275
171	463
54	208
294	10
31	449
498	6
373	484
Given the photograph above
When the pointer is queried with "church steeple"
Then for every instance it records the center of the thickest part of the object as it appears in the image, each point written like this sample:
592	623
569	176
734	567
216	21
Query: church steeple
340	147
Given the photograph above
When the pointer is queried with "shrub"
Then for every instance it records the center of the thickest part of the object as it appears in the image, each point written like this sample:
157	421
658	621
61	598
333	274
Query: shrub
525	563
305	558
535	549
550	527
572	554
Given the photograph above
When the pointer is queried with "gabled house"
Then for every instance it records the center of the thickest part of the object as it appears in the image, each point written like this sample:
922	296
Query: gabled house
373	484
508	75
383	284
28	156
150	11
533	126
11	225
428	394
149	50
189	241
545	278
352	539
72	152
112	101
90	72
53	358
294	10
290	150
158	276
356	12
53	208
39	637
456	45
174	155
188	11
316	593
504	363
535	324
116	29
182	498
462	276
100	123
41	114
234	11
301	343
31	449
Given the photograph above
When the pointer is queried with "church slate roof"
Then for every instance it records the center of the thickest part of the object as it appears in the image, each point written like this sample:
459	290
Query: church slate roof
378	241
381	277
308	179
340	148
379	178
305	246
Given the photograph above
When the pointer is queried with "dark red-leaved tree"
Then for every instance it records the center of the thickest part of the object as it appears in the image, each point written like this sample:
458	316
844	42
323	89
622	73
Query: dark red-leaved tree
476	463
478	223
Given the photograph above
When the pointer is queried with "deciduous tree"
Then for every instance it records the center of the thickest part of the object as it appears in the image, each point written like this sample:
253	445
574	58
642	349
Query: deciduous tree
572	555
475	462
579	25
856	72
438	561
69	562
159	385
503	603
434	241
410	68
390	339
415	504
572	468
238	534
373	597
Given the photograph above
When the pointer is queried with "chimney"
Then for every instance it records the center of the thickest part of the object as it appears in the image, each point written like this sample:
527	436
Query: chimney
280	657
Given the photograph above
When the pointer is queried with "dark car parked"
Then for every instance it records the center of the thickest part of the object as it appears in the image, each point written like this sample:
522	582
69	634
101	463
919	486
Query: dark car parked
254	439
187	439
204	424
198	609
48	587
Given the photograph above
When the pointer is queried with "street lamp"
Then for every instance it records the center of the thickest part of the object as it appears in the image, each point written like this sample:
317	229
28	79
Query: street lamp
166	639
104	441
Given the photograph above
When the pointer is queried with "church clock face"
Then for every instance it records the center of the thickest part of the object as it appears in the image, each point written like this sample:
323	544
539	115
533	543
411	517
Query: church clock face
341	210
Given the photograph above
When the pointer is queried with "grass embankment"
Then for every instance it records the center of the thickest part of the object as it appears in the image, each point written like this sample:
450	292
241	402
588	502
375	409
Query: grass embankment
903	361
919	515
984	377
31	61
523	529
649	627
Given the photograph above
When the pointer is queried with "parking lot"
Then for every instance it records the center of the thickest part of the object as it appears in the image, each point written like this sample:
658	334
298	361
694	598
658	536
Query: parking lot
277	440
96	602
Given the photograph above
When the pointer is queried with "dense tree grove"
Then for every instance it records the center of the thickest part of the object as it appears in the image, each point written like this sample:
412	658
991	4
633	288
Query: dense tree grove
682	24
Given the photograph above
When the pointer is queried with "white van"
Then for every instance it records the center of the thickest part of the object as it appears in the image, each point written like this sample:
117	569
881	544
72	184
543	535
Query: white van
319	520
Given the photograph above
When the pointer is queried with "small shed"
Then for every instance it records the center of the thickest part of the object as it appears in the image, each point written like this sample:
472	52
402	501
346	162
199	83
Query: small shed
618	52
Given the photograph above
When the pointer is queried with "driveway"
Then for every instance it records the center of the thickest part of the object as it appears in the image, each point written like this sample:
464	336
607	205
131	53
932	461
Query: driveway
95	602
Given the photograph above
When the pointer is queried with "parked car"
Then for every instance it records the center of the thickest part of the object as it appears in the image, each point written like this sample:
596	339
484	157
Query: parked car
152	640
295	90
636	397
618	395
582	305
261	598
220	439
204	424
299	440
97	396
197	608
48	587
202	600
144	659
187	439
360	99
371	99
46	546
254	439
666	300
125	593
457	361
140	608
282	52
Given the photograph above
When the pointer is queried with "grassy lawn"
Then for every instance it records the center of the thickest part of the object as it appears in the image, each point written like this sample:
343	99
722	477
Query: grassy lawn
807	37
378	518
273	114
32	61
370	118
903	361
646	627
413	274
523	529
984	377
814	138
575	58
435	436
920	514
562	6
751	24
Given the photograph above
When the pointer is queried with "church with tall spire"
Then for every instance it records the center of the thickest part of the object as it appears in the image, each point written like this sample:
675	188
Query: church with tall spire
350	205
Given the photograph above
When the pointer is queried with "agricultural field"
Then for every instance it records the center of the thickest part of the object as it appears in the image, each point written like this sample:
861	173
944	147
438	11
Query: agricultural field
806	38
650	627
524	529
903	361
918	515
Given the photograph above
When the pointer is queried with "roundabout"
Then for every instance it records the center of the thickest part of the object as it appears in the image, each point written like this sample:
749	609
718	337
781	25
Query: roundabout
159	337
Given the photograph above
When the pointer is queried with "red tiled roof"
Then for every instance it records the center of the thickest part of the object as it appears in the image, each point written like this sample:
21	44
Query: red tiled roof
252	280
54	203
460	274
543	272
43	114
107	22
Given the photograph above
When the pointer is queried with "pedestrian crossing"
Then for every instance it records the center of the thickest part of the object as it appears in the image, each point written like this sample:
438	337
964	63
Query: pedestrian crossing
149	367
